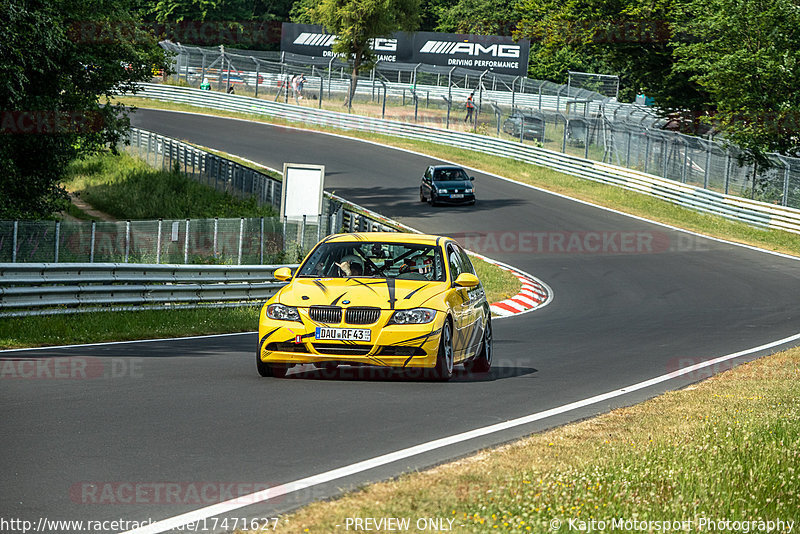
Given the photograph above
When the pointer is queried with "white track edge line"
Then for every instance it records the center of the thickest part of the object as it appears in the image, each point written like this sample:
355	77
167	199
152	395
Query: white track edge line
131	341
365	465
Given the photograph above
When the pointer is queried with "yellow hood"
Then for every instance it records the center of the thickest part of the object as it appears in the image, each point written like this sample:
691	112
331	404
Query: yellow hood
387	294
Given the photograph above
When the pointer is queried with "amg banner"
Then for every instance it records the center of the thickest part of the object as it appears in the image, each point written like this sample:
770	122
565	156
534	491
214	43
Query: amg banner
501	55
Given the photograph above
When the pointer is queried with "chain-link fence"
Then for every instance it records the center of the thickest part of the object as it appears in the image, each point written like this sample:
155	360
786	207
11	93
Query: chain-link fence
243	241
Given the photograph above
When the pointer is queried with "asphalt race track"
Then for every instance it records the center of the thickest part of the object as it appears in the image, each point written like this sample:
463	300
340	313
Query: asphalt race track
633	300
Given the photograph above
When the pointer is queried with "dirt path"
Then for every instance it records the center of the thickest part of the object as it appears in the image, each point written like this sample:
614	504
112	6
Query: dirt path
88	209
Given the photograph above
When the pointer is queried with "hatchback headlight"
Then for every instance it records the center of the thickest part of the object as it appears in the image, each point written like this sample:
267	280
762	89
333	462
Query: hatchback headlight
282	313
442	191
469	190
415	316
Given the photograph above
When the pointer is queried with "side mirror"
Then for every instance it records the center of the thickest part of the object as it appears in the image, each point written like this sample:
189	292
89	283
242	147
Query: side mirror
467	280
283	274
471	178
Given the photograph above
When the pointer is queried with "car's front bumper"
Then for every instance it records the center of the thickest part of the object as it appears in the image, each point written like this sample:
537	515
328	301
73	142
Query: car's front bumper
412	345
447	199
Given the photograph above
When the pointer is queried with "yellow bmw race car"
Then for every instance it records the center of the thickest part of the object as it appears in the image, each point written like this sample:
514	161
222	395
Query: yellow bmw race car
383	299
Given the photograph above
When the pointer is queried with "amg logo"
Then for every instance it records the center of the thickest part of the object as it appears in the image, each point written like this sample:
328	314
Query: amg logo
470	49
379	44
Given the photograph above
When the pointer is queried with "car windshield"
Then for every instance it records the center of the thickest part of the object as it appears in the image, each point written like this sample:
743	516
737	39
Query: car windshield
449	175
405	261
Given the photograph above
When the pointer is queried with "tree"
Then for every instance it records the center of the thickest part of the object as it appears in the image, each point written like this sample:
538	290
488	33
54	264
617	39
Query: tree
357	22
62	62
629	38
746	55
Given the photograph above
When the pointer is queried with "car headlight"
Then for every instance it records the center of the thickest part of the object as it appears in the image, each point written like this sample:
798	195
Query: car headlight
415	316
469	190
441	191
282	313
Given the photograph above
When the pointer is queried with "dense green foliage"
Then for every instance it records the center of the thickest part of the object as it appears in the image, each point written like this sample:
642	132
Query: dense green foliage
61	61
356	22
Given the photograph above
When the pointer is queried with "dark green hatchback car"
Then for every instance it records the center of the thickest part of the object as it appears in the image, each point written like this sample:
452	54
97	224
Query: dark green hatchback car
446	184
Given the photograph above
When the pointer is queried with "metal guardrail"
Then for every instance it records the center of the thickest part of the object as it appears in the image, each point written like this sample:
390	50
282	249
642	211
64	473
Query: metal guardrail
736	208
54	288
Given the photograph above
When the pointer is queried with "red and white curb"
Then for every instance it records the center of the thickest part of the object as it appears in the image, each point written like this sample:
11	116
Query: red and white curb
534	294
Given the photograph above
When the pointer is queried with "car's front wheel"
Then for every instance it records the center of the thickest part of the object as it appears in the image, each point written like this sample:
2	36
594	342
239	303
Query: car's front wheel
421	195
444	359
483	361
266	369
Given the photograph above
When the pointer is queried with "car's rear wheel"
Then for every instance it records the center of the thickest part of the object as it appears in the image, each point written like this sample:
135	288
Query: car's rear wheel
444	359
483	361
266	369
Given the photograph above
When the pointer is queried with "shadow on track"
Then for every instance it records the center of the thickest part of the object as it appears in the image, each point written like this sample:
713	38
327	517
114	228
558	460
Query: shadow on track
366	373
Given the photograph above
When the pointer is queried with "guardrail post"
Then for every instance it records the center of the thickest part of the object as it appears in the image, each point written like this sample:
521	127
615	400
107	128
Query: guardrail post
158	243
58	237
127	240
216	229
91	245
14	242
186	244
241	241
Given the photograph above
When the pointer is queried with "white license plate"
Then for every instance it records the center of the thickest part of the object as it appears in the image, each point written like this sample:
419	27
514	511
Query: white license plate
343	334
457	196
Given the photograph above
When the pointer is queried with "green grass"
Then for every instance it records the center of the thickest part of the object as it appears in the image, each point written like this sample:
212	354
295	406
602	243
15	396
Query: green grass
497	283
727	448
95	327
126	187
597	193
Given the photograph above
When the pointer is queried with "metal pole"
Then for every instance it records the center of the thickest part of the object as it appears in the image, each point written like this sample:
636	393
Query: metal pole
450	86
303	233
727	171
14	241
241	241
91	245
216	233
127	240
513	86
258	68
785	197
261	244
158	243
58	237
707	170
383	108
447	101
330	67
186	244
284	233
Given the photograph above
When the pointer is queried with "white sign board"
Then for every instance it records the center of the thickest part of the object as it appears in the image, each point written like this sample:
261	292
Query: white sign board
301	193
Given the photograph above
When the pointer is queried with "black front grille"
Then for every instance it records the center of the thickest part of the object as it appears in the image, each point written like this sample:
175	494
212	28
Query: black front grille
326	314
401	351
286	346
364	315
345	350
